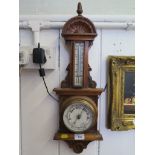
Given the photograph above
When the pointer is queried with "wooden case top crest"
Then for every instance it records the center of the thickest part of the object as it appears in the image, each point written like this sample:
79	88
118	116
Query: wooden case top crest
79	27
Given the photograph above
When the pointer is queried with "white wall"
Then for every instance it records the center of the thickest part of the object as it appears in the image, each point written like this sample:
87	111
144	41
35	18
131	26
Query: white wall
39	112
99	7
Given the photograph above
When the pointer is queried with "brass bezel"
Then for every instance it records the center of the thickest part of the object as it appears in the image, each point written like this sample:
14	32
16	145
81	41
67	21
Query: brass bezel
118	121
84	100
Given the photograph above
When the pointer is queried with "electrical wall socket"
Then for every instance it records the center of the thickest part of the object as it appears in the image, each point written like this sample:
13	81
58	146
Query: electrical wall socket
50	53
23	57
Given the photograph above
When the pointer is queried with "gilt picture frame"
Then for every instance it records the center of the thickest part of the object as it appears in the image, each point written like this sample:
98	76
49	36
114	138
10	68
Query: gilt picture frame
121	93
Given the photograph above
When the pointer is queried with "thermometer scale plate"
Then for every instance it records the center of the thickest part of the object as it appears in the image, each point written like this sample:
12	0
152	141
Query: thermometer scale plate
78	64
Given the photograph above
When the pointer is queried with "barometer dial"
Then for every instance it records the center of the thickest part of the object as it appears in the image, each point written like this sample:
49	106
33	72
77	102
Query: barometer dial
78	117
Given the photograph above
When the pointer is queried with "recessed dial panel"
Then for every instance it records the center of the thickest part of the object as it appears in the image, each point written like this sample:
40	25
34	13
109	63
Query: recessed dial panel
78	117
78	64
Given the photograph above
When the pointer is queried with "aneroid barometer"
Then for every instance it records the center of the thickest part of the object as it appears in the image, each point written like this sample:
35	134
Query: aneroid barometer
78	93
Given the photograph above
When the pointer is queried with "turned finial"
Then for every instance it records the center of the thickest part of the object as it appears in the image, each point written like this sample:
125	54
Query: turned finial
79	9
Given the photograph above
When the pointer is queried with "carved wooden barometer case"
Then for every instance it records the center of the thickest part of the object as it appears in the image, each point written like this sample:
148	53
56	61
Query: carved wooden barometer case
78	93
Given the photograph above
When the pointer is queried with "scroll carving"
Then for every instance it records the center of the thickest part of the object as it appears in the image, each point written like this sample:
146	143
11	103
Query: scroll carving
65	83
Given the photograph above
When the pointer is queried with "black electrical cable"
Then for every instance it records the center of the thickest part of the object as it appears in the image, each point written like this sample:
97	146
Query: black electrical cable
41	70
105	88
48	90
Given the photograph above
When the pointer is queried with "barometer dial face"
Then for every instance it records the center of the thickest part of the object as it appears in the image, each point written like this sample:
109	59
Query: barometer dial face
78	117
78	64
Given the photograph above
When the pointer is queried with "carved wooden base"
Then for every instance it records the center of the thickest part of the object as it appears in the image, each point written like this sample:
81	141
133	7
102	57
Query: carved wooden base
78	145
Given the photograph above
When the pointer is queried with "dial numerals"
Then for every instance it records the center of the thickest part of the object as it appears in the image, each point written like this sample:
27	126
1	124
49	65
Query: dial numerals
78	117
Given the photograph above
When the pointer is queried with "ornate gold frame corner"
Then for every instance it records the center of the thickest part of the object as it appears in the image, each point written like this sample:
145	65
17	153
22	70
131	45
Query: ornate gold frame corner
117	119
